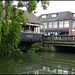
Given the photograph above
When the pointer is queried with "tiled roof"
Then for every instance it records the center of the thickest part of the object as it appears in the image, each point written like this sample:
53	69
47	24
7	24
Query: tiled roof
33	18
60	16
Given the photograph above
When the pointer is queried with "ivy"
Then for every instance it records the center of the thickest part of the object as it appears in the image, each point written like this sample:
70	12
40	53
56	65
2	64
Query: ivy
10	31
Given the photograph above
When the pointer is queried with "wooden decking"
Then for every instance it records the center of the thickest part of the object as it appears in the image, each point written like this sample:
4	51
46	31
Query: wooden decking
63	40
50	42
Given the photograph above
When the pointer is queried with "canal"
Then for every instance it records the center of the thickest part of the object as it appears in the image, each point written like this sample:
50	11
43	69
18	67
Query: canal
39	63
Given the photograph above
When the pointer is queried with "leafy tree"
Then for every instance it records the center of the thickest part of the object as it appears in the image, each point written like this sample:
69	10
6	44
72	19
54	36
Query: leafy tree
11	21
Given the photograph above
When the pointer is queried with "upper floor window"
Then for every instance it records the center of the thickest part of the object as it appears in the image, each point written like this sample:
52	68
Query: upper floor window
61	24
66	24
73	24
73	15
54	15
45	25
55	25
44	16
50	25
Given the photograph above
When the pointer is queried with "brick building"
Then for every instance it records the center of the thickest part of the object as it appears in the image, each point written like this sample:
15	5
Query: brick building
62	23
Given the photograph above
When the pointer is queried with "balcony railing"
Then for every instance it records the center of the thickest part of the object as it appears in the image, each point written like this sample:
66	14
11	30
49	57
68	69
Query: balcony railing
60	38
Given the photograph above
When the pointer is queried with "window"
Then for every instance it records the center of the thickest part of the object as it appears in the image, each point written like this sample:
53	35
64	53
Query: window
61	24
54	15
50	25
73	15
73	24
55	25
45	25
43	16
55	33
48	33
66	24
51	33
41	27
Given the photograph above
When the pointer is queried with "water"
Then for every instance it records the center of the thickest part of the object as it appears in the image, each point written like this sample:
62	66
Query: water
39	63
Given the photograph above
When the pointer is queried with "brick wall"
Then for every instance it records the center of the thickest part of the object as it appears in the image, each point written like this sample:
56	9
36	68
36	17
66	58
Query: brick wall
70	27
55	28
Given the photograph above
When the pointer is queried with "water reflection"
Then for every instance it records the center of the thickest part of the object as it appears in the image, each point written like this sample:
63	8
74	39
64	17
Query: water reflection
56	63
19	64
41	63
8	66
59	63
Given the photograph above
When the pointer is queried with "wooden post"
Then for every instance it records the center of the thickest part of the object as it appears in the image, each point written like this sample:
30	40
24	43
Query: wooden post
29	27
44	29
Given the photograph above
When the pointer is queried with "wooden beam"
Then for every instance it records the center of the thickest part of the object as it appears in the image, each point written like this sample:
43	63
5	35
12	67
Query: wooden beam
44	29
33	24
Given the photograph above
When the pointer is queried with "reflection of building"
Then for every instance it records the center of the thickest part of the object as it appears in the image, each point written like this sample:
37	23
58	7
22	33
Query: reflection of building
62	23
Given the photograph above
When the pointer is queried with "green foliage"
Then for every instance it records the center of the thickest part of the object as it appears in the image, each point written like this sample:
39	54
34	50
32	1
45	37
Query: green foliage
35	47
10	31
31	6
23	48
35	57
20	4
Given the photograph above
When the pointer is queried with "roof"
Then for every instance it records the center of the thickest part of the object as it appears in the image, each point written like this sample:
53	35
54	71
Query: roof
60	16
33	18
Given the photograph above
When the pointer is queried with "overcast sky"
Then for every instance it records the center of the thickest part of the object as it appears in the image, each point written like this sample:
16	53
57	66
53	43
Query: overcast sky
56	6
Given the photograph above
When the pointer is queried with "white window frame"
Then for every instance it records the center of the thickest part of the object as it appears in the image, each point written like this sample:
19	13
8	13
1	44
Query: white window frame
61	24
73	24
48	33
54	15
55	33
44	16
50	25
54	24
66	23
73	15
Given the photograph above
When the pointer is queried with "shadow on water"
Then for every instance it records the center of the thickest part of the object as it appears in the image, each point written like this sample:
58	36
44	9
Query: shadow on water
8	66
65	49
17	64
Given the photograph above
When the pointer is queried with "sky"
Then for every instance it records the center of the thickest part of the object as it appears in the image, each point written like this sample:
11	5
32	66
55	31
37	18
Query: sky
56	6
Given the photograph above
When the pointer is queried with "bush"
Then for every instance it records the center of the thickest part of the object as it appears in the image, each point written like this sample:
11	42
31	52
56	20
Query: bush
35	47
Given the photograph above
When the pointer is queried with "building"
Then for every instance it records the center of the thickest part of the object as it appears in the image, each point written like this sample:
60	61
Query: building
31	32
33	25
62	23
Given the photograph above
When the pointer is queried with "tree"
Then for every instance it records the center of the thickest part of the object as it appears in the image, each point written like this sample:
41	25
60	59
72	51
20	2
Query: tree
11	21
